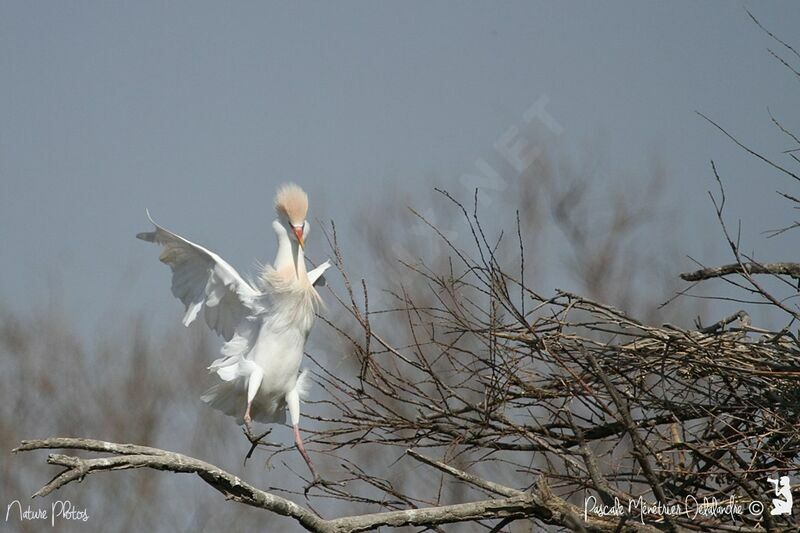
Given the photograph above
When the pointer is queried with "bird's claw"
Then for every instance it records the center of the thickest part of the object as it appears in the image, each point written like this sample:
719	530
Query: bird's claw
254	440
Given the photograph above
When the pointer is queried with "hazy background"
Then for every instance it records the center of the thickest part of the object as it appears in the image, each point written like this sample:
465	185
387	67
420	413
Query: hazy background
199	110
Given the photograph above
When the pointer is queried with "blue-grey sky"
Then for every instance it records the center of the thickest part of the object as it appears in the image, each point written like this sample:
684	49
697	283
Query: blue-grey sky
198	110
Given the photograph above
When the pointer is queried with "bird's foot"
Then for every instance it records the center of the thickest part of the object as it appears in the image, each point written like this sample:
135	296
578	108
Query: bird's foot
254	440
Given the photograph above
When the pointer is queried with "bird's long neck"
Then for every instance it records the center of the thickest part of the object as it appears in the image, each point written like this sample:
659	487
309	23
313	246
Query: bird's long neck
290	260
284	259
300	264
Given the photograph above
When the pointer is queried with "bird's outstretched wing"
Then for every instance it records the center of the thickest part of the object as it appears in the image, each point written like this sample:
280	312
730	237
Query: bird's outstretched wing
203	280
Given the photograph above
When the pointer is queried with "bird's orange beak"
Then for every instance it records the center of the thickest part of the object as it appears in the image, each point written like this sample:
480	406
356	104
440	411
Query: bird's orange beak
298	232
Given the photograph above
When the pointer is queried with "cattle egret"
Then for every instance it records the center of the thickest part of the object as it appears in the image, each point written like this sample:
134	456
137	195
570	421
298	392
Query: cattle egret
265	322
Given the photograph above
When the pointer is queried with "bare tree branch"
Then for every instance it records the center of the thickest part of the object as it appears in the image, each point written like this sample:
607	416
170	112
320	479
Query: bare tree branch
778	269
517	504
130	456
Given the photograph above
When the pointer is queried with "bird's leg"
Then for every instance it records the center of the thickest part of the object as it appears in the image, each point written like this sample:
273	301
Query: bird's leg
248	420
253	385
317	479
299	442
293	402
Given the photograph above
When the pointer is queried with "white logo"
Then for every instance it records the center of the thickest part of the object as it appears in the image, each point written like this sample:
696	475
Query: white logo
783	490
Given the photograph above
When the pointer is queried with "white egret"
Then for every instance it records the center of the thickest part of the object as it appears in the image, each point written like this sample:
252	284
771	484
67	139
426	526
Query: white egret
265	322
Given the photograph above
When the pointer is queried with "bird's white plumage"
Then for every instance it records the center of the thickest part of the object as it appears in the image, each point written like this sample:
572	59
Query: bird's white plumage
202	280
265	322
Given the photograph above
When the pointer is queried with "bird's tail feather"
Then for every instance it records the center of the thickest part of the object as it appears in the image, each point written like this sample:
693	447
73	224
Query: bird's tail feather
230	397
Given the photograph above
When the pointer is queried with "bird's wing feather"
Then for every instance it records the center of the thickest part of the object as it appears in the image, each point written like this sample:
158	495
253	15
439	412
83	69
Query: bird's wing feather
203	280
315	276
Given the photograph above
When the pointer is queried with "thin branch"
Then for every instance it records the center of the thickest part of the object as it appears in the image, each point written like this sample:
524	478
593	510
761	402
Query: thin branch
748	150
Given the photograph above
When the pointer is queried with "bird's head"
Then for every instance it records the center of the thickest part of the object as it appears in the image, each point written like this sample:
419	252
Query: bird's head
291	204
